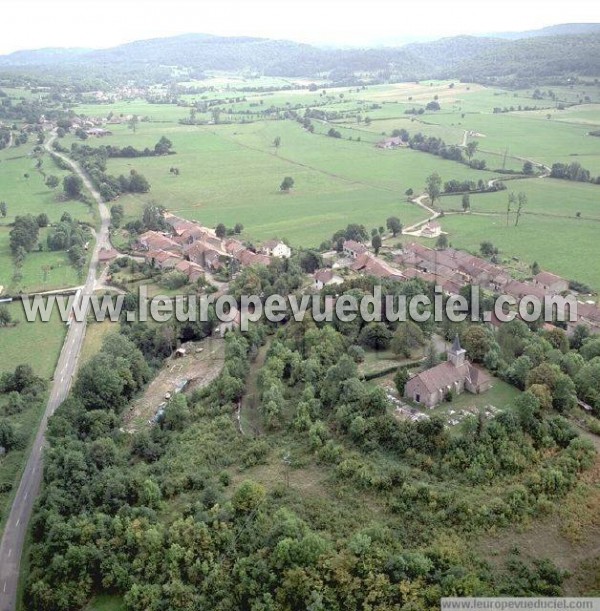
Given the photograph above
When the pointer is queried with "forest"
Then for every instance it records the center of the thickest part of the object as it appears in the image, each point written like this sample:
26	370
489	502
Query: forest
178	515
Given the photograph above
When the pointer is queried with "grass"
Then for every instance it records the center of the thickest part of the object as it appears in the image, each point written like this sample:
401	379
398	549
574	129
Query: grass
94	336
231	173
31	343
106	602
565	246
31	196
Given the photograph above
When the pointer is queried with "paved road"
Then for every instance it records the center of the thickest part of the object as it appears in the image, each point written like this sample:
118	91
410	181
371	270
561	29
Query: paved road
11	545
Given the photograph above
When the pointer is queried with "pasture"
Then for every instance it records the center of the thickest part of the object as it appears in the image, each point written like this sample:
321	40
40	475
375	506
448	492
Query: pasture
230	172
22	188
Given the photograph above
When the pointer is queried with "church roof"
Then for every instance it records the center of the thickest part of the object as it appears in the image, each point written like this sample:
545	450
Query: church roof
456	347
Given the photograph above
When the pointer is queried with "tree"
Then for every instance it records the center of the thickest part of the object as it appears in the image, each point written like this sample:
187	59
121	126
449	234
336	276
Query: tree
72	186
176	414
521	203
286	184
394	225
133	123
42	220
476	342
528	168
471	148
5	316
375	335
431	358
487	249
442	241
376	243
433	186
8	437
466	202
238	228
138	183
407	338
409	193
248	497
163	146
512	200
277	142
401	377
152	217
52	181
3	209
221	230
216	114
535	268
24	234
117	212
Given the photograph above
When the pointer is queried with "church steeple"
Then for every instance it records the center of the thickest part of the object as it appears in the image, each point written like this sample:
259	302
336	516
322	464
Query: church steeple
456	354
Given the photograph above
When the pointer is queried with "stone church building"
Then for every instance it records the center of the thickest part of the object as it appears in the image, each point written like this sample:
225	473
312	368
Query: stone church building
430	387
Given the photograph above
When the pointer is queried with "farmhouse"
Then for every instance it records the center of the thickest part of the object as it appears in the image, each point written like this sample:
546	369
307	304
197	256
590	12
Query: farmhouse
107	254
551	282
326	277
276	248
162	259
353	249
391	143
431	387
152	240
369	264
431	230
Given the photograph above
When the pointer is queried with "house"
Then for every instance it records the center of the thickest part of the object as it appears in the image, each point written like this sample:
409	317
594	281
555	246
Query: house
276	248
204	255
518	290
391	143
354	249
372	265
326	277
98	132
551	282
162	259
107	254
178	224
431	230
588	315
457	374
247	257
153	240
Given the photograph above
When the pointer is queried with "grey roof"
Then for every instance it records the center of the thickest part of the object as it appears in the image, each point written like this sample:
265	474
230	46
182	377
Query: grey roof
456	347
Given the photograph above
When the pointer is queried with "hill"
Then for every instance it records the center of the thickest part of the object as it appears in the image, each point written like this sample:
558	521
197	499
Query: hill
469	57
562	29
536	57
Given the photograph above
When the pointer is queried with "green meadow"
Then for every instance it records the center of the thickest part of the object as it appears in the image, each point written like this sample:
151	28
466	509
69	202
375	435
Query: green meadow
23	194
31	343
230	172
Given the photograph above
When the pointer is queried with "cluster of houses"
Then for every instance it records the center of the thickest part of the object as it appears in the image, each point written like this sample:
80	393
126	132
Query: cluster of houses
452	270
193	249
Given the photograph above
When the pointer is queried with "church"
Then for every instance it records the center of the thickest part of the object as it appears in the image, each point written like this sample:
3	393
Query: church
431	387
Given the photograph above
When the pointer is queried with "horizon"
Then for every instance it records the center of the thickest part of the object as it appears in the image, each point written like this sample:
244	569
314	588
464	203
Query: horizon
351	24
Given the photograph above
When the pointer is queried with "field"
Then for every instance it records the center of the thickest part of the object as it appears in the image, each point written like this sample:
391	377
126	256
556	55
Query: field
230	171
31	343
41	270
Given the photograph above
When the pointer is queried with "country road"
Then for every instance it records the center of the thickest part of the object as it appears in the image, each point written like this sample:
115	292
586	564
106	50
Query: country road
11	546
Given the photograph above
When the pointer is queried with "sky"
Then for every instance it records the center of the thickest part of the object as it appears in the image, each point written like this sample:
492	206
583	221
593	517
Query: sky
97	24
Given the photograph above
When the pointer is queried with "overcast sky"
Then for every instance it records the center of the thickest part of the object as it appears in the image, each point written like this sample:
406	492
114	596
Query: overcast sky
29	24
